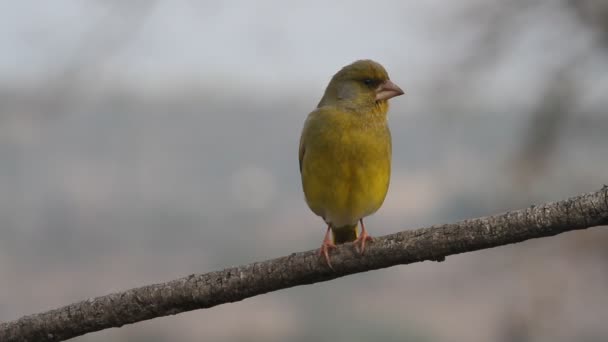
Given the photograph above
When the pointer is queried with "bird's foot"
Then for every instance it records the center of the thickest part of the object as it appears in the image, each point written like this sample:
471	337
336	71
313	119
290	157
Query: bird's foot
361	240
325	247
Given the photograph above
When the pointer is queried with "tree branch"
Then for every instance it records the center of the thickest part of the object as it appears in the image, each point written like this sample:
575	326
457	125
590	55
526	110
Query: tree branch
198	291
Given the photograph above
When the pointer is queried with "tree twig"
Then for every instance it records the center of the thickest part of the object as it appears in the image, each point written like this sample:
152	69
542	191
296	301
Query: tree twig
198	291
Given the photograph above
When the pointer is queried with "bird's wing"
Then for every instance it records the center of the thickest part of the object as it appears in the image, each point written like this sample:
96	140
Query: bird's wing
301	151
305	131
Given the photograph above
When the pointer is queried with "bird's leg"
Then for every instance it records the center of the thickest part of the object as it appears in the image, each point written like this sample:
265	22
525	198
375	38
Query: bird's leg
326	246
364	237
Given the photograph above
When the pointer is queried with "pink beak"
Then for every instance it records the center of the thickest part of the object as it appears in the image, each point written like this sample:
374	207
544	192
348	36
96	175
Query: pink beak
388	90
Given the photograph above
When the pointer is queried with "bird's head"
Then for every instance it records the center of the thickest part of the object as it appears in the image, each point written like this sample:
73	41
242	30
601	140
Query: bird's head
361	86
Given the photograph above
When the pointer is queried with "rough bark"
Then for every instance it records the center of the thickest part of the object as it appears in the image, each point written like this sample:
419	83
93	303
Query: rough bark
198	291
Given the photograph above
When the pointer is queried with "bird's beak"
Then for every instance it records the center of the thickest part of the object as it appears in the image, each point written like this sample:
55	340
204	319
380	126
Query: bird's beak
388	90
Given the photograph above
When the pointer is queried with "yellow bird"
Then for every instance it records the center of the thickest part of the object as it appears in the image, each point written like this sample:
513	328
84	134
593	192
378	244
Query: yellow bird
345	152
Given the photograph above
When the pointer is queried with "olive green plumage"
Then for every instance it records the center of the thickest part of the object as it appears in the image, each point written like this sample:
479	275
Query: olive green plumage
345	148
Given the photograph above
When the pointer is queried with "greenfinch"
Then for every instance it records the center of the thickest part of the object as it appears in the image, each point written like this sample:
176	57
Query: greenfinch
345	152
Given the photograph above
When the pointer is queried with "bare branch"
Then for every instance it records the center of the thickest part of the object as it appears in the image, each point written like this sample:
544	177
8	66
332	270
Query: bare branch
198	291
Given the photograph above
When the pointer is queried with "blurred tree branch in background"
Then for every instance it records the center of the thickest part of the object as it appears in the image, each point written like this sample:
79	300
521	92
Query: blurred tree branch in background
594	14
502	27
199	291
561	94
545	122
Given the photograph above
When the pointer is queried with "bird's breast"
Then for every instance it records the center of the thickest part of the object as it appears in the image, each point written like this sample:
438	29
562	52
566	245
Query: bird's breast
346	171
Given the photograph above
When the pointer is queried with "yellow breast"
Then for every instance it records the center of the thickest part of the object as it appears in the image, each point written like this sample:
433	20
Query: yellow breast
345	162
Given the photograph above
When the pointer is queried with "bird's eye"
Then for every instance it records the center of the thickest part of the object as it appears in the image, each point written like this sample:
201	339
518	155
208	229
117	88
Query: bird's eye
367	81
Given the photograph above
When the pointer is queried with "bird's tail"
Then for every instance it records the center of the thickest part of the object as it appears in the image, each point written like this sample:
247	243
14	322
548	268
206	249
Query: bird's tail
345	234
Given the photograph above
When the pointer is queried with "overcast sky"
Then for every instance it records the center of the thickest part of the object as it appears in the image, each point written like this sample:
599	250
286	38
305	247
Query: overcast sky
270	43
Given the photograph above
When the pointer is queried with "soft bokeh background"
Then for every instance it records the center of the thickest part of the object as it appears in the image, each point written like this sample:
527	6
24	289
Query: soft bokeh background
141	141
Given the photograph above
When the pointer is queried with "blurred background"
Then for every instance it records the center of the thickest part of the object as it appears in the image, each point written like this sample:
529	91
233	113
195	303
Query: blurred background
141	141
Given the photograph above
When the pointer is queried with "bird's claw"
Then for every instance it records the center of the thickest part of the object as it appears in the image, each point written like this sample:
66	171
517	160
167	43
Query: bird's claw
326	246
361	240
324	250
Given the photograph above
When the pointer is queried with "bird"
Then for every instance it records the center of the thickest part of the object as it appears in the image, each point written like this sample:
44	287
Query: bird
345	152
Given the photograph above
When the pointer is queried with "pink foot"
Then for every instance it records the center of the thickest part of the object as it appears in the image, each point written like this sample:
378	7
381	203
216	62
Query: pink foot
326	246
362	239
